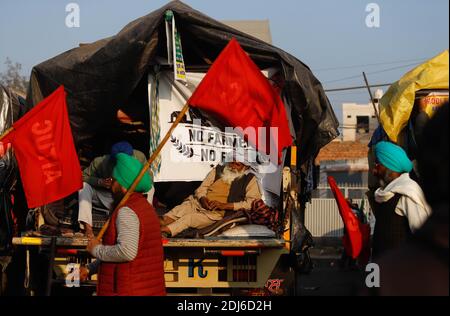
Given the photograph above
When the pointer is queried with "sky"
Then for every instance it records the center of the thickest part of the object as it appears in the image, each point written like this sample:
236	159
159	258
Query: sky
330	36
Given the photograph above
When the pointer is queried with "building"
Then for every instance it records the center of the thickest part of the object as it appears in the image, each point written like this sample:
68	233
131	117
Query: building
257	28
345	161
359	120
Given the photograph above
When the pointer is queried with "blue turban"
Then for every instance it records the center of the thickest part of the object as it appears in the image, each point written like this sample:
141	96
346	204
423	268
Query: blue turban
393	157
121	147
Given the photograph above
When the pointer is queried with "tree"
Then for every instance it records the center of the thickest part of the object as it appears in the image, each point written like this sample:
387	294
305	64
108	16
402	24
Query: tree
12	77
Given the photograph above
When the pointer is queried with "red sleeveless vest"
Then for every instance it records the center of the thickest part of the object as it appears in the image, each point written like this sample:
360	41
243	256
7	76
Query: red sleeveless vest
144	276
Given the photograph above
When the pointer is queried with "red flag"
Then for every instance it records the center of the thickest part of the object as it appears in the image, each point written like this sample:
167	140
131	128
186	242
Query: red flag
44	149
357	235
236	92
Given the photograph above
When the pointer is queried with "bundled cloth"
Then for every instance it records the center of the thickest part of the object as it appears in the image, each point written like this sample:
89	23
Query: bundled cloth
261	214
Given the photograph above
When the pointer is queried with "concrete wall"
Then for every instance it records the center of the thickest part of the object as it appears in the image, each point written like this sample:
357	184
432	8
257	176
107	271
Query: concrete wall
350	112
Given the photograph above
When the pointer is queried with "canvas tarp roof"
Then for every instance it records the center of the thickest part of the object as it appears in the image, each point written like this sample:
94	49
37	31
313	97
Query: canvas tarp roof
100	77
397	103
12	107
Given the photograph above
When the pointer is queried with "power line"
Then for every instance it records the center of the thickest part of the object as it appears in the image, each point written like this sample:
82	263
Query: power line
372	73
393	68
341	93
358	87
343	79
369	65
340	101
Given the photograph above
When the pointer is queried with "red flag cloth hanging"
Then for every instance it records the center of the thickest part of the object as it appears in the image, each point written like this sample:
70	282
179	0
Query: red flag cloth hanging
236	92
353	237
44	149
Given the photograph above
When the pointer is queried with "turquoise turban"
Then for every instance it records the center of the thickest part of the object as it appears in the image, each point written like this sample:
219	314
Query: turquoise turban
127	169
393	157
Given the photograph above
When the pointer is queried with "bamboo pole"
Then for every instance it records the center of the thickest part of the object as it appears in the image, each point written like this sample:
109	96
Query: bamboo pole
9	130
146	167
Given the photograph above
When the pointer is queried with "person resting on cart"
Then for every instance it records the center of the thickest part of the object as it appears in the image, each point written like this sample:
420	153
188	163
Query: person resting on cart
229	187
97	184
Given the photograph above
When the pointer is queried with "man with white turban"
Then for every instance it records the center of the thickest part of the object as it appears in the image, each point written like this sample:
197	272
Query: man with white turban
229	187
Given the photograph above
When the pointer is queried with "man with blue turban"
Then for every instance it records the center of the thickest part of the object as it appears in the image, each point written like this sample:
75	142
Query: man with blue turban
400	206
97	180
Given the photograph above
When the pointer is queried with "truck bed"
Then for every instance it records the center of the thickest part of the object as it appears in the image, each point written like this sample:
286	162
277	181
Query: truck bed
190	265
67	242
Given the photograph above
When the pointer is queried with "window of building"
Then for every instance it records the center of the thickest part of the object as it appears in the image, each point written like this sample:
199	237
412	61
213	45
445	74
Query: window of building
349	116
362	124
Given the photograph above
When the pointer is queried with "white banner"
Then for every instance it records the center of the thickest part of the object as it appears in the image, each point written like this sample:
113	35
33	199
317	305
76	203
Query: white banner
195	147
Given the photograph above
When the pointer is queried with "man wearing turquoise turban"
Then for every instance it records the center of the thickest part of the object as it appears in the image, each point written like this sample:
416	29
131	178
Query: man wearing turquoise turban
131	255
400	207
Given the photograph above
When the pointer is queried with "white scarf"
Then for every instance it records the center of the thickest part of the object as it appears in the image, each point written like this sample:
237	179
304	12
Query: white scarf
416	208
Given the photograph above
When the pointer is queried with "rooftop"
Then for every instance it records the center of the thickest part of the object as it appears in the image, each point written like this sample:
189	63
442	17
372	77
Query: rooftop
342	151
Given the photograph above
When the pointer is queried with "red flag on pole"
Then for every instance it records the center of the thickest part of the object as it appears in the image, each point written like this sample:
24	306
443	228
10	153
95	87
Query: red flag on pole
236	92
44	149
353	236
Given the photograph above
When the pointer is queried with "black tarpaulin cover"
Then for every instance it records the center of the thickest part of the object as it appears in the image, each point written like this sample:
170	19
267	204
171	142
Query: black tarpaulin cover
101	77
11	109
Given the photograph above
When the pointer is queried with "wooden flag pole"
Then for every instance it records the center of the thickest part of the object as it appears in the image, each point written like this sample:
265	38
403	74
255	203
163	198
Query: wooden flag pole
146	167
9	130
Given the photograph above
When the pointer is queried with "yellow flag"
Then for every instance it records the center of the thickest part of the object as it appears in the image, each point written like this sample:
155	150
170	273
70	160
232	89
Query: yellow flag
397	104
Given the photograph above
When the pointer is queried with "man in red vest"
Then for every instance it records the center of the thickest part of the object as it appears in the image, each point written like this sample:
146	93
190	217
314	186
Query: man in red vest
130	260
